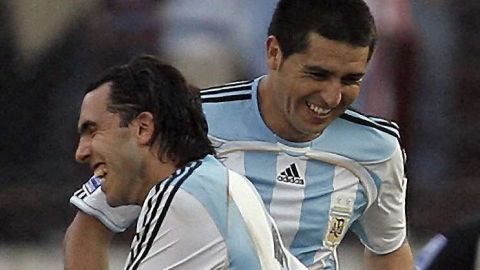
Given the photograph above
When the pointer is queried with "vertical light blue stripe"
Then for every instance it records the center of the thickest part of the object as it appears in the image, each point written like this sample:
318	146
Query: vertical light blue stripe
360	205
262	168
208	184
358	209
315	209
378	181
241	248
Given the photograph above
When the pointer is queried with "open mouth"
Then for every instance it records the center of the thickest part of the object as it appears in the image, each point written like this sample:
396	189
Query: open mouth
318	110
100	171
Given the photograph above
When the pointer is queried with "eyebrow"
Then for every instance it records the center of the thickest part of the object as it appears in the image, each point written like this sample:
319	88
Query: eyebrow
317	69
87	125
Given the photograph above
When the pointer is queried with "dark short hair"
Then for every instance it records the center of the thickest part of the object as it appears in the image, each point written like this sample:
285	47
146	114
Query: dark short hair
148	85
348	21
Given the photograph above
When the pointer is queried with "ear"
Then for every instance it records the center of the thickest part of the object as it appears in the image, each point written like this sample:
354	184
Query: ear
145	127
274	53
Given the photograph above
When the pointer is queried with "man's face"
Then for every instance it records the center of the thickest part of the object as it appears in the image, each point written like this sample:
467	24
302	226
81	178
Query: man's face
112	151
311	89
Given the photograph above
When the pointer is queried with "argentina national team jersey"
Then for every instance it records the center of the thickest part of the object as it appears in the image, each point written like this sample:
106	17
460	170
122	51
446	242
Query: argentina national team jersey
351	177
207	217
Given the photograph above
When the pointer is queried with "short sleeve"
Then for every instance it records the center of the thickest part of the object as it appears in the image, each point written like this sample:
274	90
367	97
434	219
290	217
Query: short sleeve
91	200
382	228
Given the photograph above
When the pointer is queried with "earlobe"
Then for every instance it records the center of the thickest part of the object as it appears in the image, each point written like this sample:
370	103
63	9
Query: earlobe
274	53
145	127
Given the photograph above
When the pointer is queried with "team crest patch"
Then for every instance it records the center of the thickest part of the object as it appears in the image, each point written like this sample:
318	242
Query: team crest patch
337	228
92	184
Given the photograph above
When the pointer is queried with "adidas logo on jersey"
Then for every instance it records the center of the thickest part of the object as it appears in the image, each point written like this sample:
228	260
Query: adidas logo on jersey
291	175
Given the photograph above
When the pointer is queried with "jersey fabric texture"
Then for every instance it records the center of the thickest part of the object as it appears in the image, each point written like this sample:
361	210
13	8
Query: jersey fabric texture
205	216
350	177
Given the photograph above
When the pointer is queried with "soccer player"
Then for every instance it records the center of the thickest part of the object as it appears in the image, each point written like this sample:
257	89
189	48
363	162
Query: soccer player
143	133
321	168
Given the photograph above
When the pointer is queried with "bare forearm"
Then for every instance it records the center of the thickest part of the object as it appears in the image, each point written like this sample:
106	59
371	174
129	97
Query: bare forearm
401	259
86	244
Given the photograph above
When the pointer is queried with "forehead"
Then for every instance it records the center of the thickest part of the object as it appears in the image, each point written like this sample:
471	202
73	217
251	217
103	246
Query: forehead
94	105
336	56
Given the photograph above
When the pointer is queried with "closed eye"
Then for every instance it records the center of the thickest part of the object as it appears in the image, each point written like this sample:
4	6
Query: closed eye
318	74
352	80
87	128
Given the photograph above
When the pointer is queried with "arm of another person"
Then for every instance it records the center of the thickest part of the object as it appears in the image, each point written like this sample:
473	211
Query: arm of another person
86	243
400	259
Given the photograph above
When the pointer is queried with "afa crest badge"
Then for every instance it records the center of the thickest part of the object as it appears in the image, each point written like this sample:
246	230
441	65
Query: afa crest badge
338	222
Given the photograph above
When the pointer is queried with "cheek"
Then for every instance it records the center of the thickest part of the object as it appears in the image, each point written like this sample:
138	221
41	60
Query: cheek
350	95
119	146
102	143
98	148
131	160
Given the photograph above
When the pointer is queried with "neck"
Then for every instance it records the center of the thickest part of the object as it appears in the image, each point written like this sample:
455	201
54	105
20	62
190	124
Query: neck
157	171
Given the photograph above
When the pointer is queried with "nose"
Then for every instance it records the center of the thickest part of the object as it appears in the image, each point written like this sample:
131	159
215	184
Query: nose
332	93
83	151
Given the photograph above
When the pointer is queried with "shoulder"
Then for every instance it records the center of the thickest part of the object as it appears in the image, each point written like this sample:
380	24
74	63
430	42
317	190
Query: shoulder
210	177
366	139
202	179
223	104
232	113
234	91
168	234
209	185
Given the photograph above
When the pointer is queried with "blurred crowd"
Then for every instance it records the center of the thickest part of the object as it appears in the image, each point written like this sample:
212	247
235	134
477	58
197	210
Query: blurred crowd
423	75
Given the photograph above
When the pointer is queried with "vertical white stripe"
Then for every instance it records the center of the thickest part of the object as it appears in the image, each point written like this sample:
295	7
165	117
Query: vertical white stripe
345	185
287	199
342	201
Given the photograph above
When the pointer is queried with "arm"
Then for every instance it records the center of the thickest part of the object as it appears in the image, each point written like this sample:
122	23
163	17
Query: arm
86	243
400	259
383	227
88	238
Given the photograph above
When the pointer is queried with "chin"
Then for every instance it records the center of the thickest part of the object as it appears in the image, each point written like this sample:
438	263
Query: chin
113	202
312	129
319	128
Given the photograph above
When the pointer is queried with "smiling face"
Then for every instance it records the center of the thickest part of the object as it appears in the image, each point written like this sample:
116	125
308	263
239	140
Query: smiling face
112	151
304	93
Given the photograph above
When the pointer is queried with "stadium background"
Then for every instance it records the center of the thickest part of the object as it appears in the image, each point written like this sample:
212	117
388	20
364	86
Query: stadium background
424	76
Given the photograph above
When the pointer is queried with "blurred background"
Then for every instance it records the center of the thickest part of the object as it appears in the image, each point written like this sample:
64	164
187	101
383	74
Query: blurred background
424	75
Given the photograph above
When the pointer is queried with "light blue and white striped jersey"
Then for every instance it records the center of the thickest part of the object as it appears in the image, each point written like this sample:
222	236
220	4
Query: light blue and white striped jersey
351	177
207	217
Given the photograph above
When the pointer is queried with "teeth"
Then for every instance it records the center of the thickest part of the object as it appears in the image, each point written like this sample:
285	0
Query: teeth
100	172
317	109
